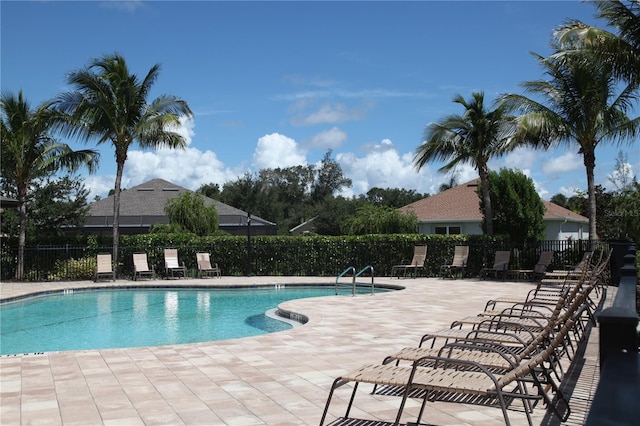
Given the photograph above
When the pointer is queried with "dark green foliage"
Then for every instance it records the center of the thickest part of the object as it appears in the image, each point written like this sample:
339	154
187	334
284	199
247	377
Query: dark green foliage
619	212
52	204
270	256
189	212
329	179
331	212
370	219
290	196
392	197
211	190
517	208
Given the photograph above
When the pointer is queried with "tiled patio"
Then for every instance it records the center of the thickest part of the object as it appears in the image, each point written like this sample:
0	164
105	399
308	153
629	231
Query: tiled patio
275	379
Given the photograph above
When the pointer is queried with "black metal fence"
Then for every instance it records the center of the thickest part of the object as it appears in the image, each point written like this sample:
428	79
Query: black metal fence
618	392
300	256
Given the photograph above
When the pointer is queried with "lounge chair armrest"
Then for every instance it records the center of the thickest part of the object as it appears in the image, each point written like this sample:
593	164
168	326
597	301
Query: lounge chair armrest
480	346
473	335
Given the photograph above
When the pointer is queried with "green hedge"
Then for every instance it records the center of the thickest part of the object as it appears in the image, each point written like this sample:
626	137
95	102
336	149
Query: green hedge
263	255
305	256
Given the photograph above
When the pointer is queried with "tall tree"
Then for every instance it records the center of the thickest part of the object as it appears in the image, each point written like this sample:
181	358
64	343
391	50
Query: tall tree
391	197
518	209
474	138
52	204
621	50
191	214
329	179
370	219
211	190
29	151
580	103
109	104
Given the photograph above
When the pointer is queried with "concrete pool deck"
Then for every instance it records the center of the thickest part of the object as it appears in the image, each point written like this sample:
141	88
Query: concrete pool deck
275	379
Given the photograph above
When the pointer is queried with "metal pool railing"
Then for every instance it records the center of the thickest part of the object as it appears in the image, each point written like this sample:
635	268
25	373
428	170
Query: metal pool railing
354	284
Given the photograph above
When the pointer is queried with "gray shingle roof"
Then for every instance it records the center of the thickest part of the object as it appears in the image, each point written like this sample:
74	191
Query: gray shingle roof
149	199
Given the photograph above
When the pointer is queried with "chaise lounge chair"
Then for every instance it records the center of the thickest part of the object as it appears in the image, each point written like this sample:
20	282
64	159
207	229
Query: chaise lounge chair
458	264
104	267
538	271
141	266
205	267
171	264
500	265
478	369
456	380
418	261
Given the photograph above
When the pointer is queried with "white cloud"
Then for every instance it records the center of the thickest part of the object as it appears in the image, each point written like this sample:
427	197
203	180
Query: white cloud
127	6
567	162
276	150
99	186
621	176
329	139
190	168
383	167
521	159
328	114
569	191
185	129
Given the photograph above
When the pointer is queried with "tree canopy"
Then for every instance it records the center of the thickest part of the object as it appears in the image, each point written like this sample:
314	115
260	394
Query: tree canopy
109	104
518	209
189	213
29	151
474	137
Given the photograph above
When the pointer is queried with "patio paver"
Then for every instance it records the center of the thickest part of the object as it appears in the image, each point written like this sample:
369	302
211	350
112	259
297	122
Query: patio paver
275	379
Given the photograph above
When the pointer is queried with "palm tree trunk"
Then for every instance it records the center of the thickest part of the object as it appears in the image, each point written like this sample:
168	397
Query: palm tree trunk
116	212
486	199
590	164
22	233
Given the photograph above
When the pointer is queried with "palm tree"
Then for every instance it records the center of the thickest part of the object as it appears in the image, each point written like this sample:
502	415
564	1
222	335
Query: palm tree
581	102
29	152
622	50
472	138
109	103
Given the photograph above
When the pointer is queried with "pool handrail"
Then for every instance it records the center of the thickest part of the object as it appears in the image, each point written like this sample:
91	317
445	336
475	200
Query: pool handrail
345	272
362	271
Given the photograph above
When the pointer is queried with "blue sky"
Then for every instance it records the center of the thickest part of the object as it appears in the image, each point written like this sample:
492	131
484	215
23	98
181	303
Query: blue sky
277	84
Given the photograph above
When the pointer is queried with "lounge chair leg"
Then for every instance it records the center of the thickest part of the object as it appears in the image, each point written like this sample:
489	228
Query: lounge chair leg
336	384
353	395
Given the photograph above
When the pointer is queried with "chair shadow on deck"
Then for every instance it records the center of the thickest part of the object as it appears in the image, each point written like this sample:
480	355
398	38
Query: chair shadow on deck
358	422
572	385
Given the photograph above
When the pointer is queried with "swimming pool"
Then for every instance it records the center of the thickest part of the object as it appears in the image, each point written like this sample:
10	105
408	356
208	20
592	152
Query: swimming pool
120	318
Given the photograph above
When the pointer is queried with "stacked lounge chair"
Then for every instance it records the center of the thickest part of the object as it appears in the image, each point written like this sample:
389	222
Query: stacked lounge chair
508	356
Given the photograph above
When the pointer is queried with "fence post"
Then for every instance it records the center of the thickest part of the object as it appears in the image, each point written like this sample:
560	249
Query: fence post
618	323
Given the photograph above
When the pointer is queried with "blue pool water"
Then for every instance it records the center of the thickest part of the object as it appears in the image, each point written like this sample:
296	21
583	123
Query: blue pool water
142	317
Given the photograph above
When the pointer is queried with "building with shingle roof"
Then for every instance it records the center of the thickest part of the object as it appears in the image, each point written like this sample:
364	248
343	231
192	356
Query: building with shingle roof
143	205
457	211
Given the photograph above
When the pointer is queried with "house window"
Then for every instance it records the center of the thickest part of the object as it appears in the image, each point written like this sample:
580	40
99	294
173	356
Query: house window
444	230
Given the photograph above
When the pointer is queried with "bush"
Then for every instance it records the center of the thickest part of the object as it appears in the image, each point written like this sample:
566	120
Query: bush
73	269
260	255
